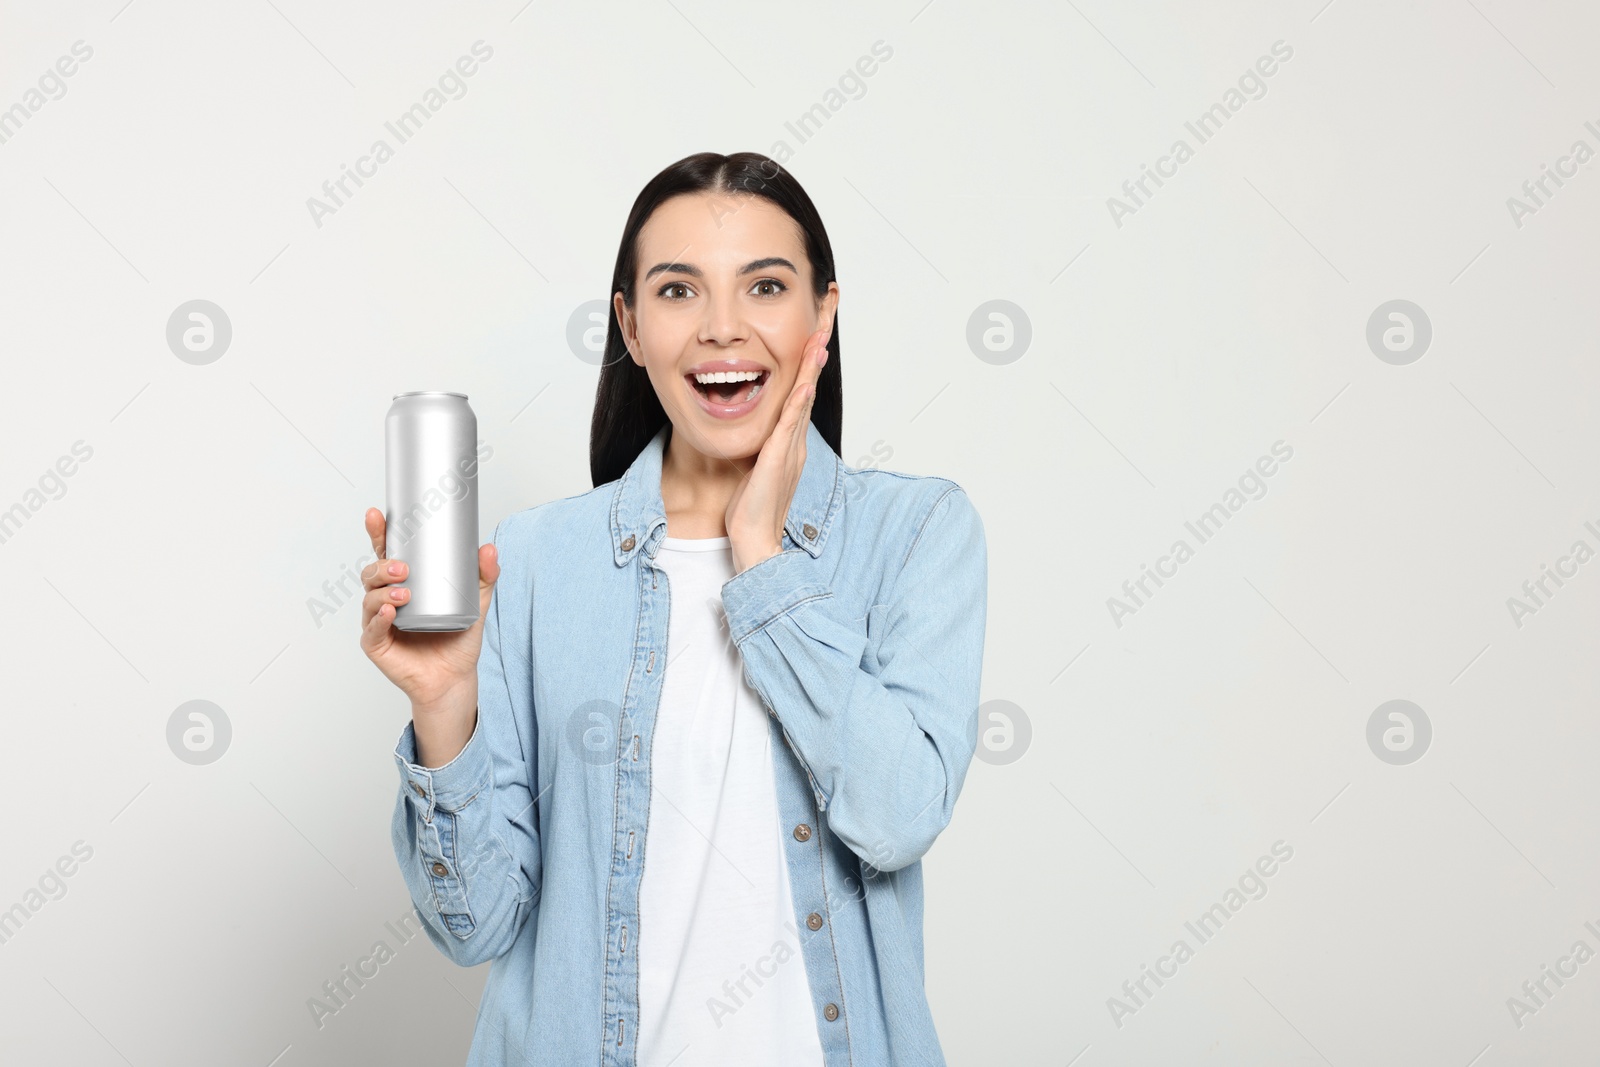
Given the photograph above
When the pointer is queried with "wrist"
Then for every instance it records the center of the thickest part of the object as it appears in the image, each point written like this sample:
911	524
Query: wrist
444	727
746	556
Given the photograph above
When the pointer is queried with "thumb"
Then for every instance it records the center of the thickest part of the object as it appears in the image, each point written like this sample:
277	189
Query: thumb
488	574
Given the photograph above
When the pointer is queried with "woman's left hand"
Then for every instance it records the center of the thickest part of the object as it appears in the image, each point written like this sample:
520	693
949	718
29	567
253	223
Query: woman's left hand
760	505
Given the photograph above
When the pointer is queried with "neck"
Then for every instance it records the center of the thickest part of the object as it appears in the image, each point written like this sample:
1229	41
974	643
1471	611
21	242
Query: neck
696	488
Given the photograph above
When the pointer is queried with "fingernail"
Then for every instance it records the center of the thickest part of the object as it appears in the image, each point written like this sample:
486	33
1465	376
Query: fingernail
398	594
395	568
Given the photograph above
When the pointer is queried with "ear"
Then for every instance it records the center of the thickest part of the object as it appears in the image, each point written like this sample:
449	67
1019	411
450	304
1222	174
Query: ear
830	305
628	326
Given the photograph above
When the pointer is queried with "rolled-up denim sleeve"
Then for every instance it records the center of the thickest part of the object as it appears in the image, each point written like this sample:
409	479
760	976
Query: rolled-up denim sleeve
466	834
886	751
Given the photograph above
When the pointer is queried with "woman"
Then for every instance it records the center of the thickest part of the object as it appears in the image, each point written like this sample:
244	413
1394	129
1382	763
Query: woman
725	700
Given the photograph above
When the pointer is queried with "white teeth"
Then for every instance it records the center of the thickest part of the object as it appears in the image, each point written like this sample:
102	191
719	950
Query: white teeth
727	376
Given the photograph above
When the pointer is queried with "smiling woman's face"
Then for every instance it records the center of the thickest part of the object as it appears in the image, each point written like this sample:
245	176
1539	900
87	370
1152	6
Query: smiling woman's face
724	287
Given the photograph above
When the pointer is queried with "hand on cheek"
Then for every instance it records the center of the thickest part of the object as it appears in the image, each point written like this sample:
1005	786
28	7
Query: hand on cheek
760	505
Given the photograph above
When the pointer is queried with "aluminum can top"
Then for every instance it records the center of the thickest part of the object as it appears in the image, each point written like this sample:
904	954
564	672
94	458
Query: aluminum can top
429	392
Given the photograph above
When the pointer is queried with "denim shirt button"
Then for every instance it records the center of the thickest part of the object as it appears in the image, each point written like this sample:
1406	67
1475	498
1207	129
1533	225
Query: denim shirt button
814	921
802	832
831	1012
627	543
421	792
810	531
440	869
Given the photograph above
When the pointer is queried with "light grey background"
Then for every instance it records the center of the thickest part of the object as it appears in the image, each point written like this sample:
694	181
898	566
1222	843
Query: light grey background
1167	354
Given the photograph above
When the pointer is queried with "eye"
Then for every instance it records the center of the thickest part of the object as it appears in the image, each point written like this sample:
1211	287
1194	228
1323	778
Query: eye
771	281
671	285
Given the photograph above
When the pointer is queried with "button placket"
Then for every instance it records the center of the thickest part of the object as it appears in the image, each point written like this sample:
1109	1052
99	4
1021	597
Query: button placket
428	800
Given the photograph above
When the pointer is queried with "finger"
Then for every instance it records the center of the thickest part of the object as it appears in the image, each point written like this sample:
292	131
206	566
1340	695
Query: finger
818	353
796	405
382	572
822	345
375	631
375	530
488	574
377	599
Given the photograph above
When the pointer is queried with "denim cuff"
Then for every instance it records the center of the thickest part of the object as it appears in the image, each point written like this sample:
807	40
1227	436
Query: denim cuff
757	595
447	788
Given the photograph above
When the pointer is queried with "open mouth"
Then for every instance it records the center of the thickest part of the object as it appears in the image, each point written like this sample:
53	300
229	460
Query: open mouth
729	388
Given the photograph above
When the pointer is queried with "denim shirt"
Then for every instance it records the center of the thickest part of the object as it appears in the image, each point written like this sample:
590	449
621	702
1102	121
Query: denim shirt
863	638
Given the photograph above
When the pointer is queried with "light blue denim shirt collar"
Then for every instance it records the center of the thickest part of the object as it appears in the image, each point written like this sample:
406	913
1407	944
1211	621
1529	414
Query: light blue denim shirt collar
637	508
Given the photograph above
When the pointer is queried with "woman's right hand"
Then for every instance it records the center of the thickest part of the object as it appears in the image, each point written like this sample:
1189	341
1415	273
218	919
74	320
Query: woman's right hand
437	670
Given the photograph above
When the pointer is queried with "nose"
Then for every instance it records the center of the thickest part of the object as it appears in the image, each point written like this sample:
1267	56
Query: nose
722	322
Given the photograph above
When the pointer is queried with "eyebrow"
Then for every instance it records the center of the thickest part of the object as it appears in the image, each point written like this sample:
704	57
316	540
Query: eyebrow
695	272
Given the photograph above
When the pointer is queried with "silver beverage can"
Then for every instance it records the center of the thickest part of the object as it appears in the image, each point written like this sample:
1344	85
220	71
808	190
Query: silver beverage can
431	477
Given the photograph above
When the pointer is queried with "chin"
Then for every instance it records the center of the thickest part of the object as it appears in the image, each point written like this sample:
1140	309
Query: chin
719	439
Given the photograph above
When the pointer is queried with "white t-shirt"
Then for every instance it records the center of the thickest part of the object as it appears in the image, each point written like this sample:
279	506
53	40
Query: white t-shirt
721	977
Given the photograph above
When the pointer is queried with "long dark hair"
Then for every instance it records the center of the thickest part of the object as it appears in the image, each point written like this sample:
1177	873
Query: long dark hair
627	412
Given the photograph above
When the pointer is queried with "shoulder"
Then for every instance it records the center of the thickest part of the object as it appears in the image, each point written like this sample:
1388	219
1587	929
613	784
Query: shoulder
588	510
910	503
